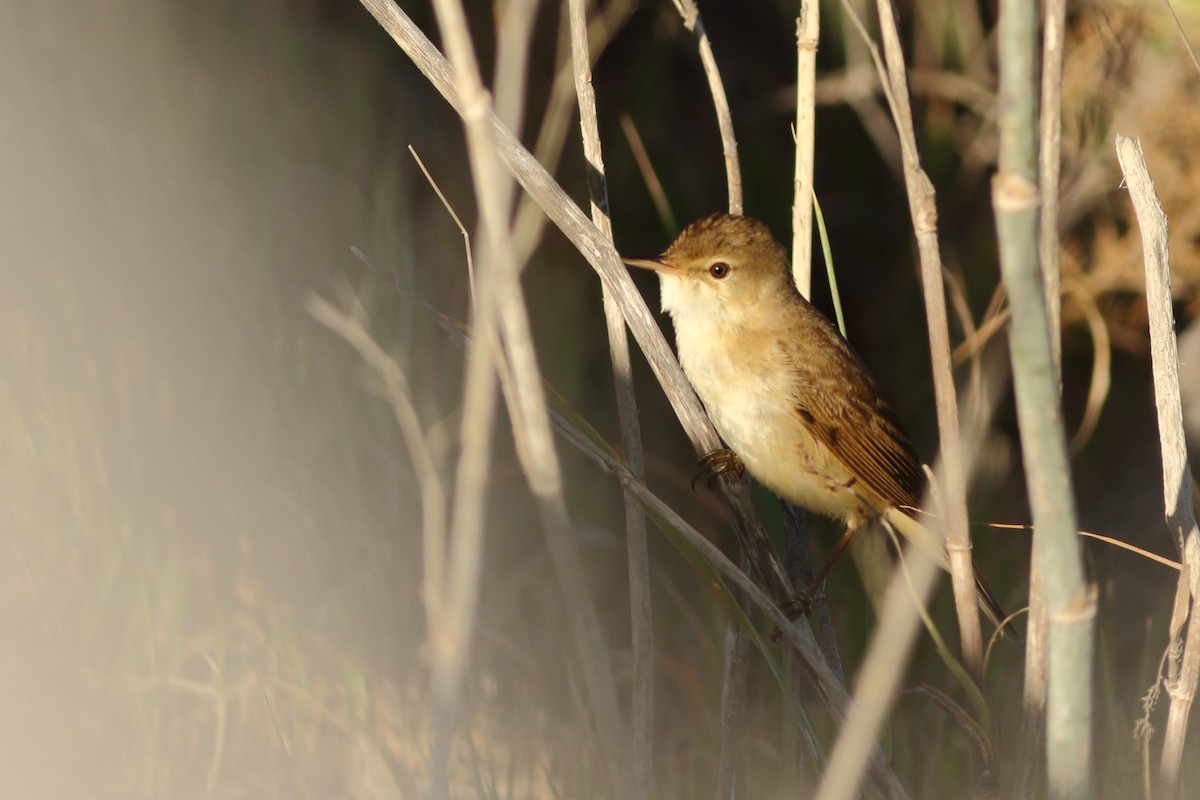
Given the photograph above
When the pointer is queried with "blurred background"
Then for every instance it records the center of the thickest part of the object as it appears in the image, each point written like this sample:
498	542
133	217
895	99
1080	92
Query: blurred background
210	552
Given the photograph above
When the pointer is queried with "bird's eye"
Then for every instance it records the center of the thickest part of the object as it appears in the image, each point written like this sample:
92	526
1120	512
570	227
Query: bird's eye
719	270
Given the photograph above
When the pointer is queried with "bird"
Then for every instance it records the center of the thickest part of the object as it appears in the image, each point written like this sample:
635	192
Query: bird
795	404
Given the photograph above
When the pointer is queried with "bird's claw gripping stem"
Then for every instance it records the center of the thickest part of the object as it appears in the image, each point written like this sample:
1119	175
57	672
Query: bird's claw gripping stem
716	463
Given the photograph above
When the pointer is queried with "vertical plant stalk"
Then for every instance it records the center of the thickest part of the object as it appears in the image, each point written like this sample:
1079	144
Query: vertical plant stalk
1070	604
733	170
808	34
556	118
1049	165
1183	667
526	403
1049	162
922	204
515	20
450	641
631	435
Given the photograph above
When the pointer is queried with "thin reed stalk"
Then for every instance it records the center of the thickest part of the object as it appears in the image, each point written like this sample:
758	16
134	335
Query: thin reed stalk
631	435
1070	605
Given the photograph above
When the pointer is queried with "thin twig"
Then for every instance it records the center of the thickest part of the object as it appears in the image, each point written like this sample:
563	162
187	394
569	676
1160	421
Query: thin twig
1099	537
861	82
653	185
1183	35
458	222
733	171
1101	380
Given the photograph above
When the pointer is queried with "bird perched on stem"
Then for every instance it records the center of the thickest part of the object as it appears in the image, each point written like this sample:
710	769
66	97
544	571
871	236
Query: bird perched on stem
795	404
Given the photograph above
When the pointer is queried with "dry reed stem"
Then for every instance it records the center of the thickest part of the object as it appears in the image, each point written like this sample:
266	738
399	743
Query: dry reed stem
514	31
733	171
552	135
859	51
527	409
1183	667
1049	165
450	639
654	186
923	207
631	436
808	34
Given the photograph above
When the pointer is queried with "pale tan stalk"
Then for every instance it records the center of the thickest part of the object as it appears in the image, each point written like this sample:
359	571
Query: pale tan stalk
923	208
808	33
1183	661
733	171
627	413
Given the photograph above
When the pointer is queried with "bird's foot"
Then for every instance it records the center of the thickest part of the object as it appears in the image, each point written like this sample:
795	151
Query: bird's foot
716	463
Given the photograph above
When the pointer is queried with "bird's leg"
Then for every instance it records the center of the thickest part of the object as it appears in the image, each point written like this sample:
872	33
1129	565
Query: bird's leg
717	462
801	603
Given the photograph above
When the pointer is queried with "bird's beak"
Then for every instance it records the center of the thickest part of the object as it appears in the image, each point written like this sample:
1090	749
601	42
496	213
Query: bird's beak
650	263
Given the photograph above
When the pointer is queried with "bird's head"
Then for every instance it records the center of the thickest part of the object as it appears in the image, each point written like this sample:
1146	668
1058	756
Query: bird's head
720	270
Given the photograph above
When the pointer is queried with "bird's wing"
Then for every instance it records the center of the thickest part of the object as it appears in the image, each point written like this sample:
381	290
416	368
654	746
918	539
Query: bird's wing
840	405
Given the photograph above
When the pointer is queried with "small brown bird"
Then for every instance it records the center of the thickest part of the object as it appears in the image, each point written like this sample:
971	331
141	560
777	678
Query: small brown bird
784	390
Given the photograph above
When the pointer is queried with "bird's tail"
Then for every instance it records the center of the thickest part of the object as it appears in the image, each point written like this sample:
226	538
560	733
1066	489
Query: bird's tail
933	545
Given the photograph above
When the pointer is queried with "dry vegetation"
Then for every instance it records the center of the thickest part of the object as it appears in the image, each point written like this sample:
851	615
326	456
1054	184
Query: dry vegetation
213	537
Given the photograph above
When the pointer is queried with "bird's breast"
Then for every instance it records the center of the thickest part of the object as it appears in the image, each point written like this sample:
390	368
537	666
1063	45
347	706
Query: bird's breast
748	391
